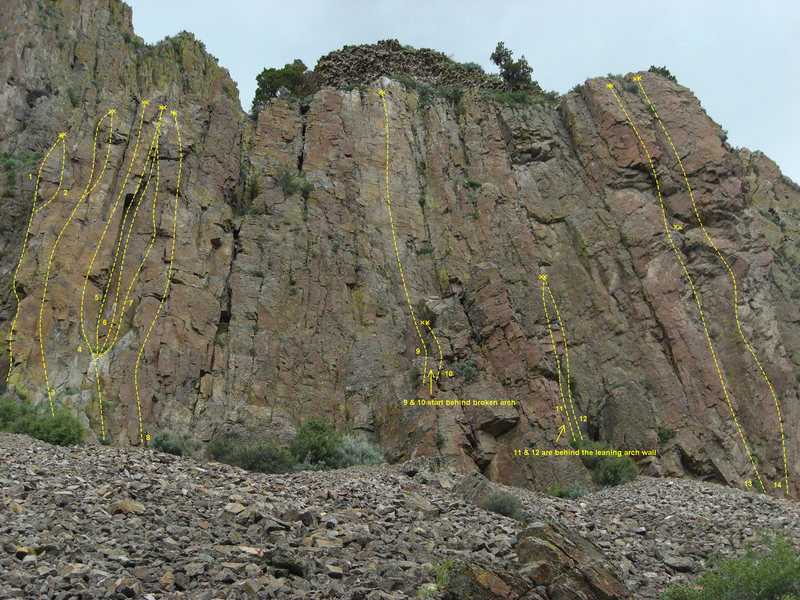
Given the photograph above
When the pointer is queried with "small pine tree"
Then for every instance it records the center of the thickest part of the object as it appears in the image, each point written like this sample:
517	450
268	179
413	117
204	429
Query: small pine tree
516	73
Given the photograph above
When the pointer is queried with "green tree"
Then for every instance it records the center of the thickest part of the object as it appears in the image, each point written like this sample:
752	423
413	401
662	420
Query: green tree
295	77
317	441
516	73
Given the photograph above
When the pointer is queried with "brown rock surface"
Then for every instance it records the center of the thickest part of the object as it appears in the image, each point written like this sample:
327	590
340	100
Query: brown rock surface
282	307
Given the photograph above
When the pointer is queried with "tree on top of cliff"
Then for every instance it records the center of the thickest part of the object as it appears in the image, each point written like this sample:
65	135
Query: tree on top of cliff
515	73
295	77
663	71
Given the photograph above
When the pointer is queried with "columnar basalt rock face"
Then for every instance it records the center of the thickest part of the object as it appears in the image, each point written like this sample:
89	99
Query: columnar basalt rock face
284	305
358	65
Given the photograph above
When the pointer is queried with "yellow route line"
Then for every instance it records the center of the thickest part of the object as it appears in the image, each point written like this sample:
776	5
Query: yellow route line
566	357
61	176
394	237
97	249
558	361
691	283
169	271
25	240
99	396
735	289
106	344
86	192
100	352
154	144
116	256
439	368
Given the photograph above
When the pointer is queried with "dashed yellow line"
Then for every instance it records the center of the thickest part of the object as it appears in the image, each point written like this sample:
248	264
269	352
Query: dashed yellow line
93	349
394	237
169	271
100	351
735	289
107	345
439	368
99	396
691	283
34	210
114	264
86	192
558	361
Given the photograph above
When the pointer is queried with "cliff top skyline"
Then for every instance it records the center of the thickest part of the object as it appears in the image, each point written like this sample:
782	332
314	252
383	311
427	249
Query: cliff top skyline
738	60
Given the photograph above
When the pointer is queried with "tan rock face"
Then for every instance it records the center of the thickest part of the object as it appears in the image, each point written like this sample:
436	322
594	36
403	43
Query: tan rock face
283	305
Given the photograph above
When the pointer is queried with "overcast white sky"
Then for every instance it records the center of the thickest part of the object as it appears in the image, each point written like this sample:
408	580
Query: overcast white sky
739	57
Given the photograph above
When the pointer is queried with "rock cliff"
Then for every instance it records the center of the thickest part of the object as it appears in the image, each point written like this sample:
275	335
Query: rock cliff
281	301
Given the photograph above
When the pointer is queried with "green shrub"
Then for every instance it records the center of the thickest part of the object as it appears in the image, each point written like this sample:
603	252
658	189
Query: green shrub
443	568
219	447
472	67
440	440
772	574
356	449
11	411
290	182
578	88
285	178
316	446
576	491
422	201
60	428
262	457
663	71
466	370
11	164
416	376
503	503
425	249
513	99
172	443
316	441
615	470
608	470
630	86
452	92
665	434
73	97
306	187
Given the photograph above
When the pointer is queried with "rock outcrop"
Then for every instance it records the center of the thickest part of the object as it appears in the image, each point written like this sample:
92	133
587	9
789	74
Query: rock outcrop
286	303
354	65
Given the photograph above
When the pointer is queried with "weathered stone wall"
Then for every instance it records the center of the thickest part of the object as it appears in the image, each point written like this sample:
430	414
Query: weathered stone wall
283	307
